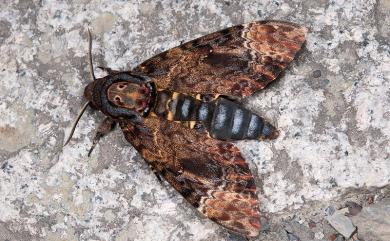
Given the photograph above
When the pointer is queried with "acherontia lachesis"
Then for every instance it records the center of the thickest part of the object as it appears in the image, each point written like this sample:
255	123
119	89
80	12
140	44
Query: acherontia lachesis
180	110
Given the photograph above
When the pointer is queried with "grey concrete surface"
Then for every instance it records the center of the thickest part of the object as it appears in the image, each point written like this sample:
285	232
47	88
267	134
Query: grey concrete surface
332	107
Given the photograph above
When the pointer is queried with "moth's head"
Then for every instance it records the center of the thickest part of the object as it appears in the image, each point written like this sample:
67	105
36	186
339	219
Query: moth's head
90	91
121	95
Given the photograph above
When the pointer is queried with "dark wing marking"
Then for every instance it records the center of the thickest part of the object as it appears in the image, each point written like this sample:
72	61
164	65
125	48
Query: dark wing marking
210	174
236	61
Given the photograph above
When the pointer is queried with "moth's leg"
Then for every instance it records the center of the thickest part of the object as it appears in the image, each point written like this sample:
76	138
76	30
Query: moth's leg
213	97
156	173
104	128
108	70
198	126
232	98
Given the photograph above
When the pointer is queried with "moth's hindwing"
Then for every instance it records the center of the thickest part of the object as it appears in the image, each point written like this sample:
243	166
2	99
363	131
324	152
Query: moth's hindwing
236	61
210	174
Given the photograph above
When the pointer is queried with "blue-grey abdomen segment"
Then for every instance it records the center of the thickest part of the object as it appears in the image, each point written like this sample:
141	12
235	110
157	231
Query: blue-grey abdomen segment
239	128
231	121
255	127
204	112
221	123
185	108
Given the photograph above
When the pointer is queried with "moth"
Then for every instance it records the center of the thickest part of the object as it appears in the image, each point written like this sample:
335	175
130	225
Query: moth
180	110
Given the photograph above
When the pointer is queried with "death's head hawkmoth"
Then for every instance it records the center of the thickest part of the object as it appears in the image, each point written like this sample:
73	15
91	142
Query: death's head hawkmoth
180	110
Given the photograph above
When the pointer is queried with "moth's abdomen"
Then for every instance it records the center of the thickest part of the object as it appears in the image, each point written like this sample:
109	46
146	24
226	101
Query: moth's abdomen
231	121
222	118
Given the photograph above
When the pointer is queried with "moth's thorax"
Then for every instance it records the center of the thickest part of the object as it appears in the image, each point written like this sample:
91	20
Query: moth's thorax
122	95
131	96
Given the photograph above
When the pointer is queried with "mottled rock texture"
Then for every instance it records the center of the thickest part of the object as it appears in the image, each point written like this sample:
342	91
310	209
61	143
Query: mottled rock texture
332	107
374	222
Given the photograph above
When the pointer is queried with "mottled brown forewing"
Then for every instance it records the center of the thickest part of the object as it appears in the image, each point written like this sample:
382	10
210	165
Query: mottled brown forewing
211	174
236	61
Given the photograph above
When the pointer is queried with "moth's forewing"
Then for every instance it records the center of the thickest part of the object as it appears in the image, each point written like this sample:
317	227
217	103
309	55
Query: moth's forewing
210	174
236	61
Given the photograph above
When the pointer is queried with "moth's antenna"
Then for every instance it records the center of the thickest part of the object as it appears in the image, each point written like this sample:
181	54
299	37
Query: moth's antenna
90	56
75	122
93	79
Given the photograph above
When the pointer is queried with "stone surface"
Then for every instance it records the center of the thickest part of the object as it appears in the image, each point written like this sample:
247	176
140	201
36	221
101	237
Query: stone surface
298	230
332	107
353	208
340	238
329	211
374	222
341	223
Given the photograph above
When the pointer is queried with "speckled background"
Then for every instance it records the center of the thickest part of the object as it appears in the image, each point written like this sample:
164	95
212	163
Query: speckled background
332	107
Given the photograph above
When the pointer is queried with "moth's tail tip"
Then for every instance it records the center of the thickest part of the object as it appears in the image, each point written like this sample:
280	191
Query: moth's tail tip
270	133
275	134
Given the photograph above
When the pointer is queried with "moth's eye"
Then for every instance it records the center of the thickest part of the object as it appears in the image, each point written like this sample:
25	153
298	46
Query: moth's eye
121	86
118	99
